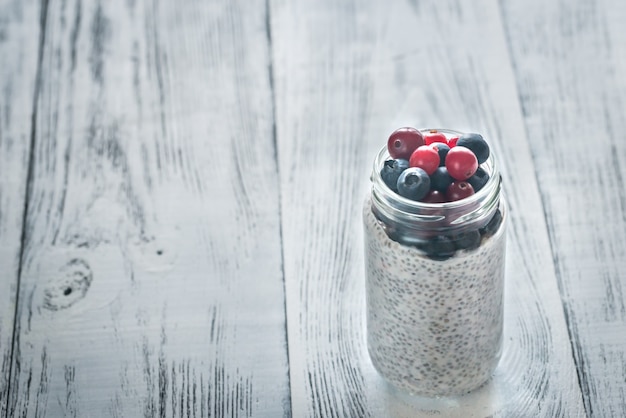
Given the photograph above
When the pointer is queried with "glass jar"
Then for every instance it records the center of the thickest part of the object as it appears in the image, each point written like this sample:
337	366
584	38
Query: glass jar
434	285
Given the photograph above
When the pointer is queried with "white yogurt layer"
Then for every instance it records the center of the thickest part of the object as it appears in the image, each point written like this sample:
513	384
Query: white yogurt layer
434	327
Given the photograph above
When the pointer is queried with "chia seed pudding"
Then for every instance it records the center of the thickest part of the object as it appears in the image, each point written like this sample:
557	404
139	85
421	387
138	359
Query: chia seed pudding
435	313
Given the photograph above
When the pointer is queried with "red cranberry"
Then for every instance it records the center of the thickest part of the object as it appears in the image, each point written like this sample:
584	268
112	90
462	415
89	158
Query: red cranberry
458	190
402	142
426	158
461	163
435	136
434	196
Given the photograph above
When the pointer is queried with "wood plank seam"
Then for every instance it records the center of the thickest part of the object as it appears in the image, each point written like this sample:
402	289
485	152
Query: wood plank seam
9	406
268	31
574	339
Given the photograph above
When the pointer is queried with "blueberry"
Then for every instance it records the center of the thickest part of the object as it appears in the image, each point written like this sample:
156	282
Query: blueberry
440	179
391	171
479	179
469	240
392	233
476	144
442	150
409	240
493	225
440	248
413	183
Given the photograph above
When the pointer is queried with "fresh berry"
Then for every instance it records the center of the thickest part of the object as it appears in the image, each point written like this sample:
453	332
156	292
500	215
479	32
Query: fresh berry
476	144
434	136
434	196
493	224
459	190
469	240
460	162
391	171
413	183
426	158
479	179
440	248
442	150
408	239
452	141
440	179
402	142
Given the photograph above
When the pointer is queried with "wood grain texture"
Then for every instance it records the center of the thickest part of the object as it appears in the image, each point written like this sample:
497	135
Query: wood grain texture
19	36
152	278
570	59
346	75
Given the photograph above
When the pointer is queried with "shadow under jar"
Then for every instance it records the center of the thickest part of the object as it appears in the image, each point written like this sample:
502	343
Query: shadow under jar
434	285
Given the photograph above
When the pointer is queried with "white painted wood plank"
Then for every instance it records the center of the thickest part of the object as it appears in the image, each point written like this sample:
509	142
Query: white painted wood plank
346	75
570	61
19	38
152	278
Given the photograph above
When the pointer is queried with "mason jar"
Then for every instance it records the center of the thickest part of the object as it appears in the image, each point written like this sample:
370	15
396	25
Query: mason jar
434	285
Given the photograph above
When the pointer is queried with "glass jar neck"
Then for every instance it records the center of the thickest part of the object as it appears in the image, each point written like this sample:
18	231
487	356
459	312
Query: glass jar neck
425	219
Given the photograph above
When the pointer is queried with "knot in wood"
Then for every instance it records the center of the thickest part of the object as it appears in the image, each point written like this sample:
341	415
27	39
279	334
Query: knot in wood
74	280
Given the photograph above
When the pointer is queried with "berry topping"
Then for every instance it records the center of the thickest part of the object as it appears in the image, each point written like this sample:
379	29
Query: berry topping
469	240
451	163
460	162
440	179
440	248
459	190
479	179
426	158
442	150
434	196
434	136
402	142
476	144
391	171
413	183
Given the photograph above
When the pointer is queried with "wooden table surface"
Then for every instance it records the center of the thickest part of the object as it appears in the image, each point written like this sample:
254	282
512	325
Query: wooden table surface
181	186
